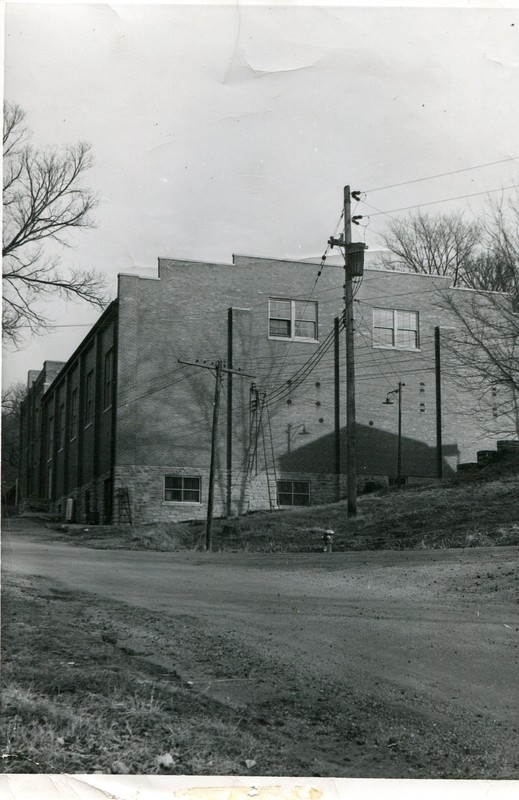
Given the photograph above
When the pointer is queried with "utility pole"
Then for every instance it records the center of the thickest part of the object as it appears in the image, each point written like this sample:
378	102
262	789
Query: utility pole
218	369
399	452
351	450
337	405
214	434
229	410
438	376
353	267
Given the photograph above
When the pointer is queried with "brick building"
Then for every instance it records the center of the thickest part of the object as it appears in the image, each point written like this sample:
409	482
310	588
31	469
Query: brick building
123	425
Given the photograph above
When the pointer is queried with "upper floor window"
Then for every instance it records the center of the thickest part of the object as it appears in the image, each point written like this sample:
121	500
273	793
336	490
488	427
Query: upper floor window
395	328
292	319
50	437
73	414
89	398
61	426
107	386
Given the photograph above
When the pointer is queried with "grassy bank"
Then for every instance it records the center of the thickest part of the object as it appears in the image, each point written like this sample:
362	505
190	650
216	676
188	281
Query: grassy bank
471	514
74	699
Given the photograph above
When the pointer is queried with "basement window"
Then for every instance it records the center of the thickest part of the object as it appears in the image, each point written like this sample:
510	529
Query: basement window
293	493
292	320
395	328
181	489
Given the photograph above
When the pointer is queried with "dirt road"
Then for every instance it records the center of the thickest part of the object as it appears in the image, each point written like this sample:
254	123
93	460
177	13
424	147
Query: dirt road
407	662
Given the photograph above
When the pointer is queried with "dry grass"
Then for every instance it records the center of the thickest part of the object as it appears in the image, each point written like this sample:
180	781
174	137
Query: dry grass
73	702
460	514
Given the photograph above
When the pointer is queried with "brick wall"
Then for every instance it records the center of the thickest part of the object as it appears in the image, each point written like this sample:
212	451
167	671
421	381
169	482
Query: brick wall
74	457
164	409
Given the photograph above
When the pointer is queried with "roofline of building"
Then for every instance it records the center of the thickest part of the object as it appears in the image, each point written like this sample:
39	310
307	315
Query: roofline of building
270	259
443	278
139	277
103	319
196	261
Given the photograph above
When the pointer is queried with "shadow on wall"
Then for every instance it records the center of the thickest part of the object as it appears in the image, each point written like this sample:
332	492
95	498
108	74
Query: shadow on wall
376	455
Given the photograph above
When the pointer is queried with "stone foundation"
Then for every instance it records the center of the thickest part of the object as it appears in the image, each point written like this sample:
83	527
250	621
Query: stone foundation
145	486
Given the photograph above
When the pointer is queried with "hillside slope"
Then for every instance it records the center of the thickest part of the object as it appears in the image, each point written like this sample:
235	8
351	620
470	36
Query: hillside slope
461	514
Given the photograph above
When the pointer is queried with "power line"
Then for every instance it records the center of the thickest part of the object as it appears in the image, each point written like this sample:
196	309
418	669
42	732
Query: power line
442	174
312	290
446	200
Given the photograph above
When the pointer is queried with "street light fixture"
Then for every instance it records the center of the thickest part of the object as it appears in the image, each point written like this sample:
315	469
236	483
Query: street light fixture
389	402
291	430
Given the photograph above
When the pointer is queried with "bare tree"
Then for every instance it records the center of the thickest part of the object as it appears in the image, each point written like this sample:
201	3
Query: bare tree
484	355
12	398
432	245
481	255
496	268
43	199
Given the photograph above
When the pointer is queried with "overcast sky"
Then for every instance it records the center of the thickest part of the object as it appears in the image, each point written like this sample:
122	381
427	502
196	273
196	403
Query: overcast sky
234	129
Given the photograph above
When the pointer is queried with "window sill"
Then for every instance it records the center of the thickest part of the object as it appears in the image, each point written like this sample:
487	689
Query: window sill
292	339
181	503
396	347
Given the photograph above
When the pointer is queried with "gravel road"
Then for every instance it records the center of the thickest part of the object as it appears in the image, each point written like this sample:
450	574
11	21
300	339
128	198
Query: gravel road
413	656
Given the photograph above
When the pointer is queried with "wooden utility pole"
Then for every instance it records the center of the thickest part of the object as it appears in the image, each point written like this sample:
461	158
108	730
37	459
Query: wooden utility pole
214	434
219	370
399	447
353	267
337	405
229	410
351	450
438	376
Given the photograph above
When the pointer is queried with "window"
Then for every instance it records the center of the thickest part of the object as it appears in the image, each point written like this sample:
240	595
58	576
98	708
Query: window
394	328
292	319
293	493
73	414
61	427
107	386
89	398
180	489
50	438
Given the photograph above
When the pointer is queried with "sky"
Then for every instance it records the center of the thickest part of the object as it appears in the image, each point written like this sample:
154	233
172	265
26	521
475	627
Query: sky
226	129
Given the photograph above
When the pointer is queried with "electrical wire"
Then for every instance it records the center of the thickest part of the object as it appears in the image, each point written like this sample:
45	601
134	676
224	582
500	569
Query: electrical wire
446	200
318	275
442	174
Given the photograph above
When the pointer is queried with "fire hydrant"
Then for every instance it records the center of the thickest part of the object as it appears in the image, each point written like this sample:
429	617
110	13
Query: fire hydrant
327	539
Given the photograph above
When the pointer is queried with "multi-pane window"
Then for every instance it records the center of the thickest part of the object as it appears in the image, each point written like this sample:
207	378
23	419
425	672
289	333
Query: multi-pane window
89	398
107	385
293	493
292	319
395	328
181	489
61	426
74	414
